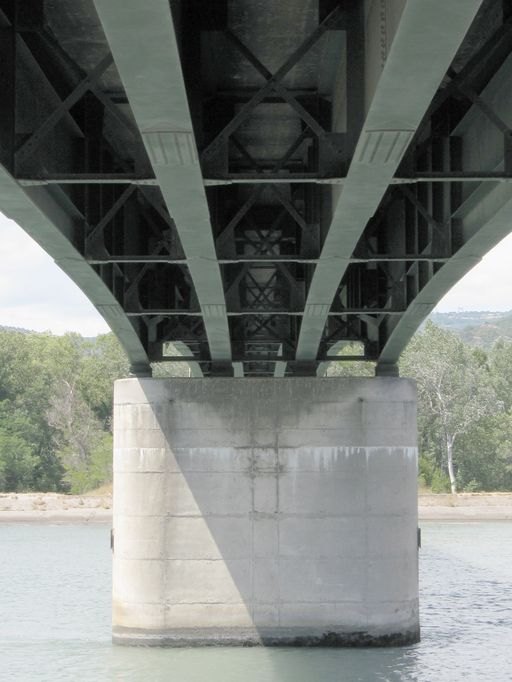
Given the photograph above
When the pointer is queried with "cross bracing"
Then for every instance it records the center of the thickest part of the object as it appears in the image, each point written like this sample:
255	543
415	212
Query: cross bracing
258	182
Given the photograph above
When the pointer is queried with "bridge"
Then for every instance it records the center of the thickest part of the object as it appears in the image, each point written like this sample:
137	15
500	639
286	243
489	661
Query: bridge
261	185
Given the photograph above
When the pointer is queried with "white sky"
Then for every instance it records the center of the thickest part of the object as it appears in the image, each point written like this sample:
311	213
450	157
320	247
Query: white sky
36	294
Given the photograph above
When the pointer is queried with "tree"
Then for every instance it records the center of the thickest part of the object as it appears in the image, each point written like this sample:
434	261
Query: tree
487	460
454	386
500	365
17	462
101	364
77	430
55	408
357	368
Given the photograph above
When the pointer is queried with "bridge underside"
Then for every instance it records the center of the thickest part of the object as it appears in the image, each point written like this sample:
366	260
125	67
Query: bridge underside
259	183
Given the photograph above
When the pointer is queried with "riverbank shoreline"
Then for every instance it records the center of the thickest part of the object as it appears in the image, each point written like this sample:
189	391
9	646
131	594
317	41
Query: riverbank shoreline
57	508
465	507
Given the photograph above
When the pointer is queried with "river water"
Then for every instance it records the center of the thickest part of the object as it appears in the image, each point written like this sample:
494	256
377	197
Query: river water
55	618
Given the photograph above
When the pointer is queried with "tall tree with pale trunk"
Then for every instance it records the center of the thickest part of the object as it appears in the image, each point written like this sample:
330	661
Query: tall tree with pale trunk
454	385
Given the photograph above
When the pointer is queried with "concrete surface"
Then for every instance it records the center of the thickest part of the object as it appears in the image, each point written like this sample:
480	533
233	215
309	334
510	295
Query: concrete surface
256	511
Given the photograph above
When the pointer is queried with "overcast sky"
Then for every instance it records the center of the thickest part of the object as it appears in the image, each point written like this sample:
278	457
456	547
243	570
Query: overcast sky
36	294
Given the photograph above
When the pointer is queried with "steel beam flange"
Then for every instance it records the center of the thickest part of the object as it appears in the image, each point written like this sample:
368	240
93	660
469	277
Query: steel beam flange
387	369
154	84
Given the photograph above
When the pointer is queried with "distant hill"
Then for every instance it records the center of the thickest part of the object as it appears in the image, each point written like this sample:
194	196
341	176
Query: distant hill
5	328
478	328
22	330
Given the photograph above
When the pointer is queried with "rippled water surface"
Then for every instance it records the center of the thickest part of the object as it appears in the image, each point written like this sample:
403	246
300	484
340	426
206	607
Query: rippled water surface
55	617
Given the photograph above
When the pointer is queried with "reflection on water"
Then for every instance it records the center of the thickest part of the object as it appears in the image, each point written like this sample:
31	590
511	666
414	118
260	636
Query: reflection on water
55	618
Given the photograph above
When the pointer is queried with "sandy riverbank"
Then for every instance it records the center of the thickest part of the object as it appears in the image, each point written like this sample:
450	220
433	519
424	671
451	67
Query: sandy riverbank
465	507
54	508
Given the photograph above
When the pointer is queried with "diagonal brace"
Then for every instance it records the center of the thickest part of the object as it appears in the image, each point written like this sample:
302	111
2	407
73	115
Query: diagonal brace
292	61
277	86
45	128
438	227
110	214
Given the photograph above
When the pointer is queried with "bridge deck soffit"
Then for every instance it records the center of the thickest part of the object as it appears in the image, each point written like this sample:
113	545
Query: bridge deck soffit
156	91
483	213
259	184
418	58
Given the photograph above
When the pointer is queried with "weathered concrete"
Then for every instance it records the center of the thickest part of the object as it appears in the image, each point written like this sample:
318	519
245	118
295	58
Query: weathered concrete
256	511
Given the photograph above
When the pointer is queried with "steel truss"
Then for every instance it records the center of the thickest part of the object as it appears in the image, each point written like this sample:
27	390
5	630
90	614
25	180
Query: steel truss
268	210
268	218
419	214
108	186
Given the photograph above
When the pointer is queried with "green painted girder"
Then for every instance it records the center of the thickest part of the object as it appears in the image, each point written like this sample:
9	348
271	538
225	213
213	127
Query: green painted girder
484	217
428	35
144	45
52	224
426	38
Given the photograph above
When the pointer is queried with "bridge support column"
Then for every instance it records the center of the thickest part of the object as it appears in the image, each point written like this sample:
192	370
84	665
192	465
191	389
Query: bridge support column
264	511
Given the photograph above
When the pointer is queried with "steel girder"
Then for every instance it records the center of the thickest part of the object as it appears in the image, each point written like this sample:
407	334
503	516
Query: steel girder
156	90
418	59
308	218
477	215
50	217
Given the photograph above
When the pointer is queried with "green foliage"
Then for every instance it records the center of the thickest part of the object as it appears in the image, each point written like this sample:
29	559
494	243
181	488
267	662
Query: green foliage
485	454
55	409
430	473
426	469
87	475
56	397
500	365
101	365
351	368
455	392
440	482
17	462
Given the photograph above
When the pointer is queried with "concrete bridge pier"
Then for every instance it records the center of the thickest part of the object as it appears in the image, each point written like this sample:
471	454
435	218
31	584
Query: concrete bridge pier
263	511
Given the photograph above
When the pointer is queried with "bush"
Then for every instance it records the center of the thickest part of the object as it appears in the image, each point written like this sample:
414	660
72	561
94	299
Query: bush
17	463
440	482
83	476
426	469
